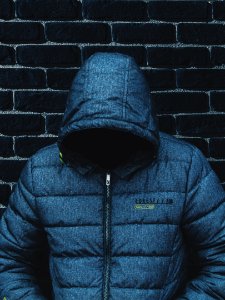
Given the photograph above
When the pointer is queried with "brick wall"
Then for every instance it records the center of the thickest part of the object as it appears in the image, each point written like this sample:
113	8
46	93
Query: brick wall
179	45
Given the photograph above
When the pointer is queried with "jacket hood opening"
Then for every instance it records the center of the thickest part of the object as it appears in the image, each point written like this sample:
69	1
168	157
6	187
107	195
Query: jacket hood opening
106	148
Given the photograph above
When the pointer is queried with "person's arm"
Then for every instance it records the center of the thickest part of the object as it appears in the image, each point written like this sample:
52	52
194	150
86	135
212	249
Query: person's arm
21	239
203	224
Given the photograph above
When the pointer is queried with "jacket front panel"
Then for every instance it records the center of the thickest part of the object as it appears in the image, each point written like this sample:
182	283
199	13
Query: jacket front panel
146	251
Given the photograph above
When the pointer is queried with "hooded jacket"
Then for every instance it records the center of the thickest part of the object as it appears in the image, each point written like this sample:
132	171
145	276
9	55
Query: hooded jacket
118	201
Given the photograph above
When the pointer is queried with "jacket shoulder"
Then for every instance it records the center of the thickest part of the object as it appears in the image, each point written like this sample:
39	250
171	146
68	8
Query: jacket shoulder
173	148
46	156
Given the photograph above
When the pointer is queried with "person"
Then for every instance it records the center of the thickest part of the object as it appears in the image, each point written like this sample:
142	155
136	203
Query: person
119	201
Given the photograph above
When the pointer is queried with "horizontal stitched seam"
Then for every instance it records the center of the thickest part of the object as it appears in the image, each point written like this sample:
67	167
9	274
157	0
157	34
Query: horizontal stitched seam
114	194
134	288
208	212
81	225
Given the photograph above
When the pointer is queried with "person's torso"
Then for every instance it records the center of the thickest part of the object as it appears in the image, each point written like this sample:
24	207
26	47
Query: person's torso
116	241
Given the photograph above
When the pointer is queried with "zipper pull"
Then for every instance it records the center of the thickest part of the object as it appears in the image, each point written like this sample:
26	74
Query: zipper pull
108	179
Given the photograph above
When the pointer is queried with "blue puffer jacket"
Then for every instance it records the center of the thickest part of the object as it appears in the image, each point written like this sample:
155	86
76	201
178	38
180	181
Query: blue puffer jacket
118	200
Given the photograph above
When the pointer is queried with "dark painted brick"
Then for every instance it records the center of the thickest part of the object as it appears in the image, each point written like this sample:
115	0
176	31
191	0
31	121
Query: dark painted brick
160	79
217	101
6	100
60	78
180	11
13	167
115	10
27	146
21	32
138	52
46	101
177	102
201	33
7	55
201	79
49	56
5	192
217	147
21	124
167	124
49	9
53	123
7	9
2	210
143	33
219	10
201	143
6	146
22	78
78	32
219	168
218	56
178	57
208	125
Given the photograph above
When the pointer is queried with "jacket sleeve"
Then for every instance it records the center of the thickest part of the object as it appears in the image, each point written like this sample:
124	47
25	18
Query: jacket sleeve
203	224
21	239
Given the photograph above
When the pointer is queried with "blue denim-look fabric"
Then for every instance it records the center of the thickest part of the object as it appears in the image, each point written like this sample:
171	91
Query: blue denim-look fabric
63	199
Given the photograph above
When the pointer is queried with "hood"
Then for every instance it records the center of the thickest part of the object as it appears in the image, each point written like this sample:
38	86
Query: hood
110	122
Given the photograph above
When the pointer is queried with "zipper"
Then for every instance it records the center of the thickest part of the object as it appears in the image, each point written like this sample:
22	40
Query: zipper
106	225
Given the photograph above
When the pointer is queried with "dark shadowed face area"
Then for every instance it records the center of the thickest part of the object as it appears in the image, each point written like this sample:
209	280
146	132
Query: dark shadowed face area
106	147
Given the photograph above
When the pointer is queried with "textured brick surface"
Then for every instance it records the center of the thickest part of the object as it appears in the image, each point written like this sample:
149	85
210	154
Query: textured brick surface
20	124
13	168
143	33
160	79
175	11
48	9
6	100
201	79
201	33
219	10
60	78
179	46
78	32
167	124
7	55
7	9
115	10
21	32
22	78
49	56
52	123
40	101
217	101
178	57
183	102
5	192
217	147
201	125
6	146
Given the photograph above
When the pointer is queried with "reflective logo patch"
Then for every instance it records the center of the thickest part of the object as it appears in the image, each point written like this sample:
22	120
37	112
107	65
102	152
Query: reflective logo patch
144	206
150	203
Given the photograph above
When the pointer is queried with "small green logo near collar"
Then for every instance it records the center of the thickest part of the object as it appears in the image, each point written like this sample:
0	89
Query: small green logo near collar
60	157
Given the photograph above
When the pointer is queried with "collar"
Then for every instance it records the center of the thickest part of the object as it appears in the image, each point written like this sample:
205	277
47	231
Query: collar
123	171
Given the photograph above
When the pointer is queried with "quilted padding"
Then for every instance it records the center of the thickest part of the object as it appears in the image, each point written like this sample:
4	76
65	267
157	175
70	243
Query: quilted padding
117	229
